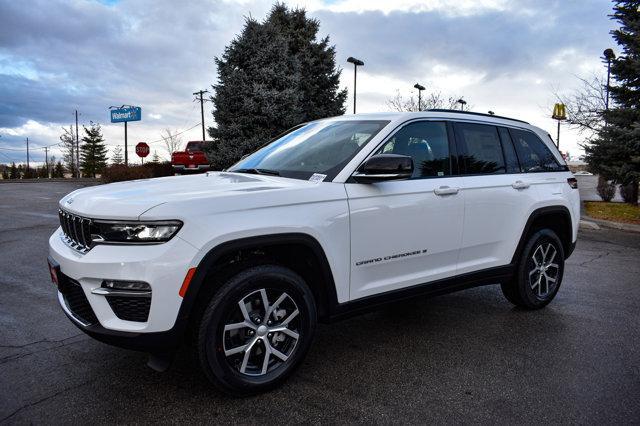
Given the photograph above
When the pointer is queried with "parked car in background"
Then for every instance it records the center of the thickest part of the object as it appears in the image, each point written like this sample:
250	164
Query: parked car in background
192	159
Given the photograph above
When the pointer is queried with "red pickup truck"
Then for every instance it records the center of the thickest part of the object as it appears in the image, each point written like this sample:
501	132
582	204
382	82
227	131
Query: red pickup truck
192	159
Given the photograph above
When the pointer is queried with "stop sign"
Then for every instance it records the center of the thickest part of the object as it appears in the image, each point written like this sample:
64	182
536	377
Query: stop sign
142	149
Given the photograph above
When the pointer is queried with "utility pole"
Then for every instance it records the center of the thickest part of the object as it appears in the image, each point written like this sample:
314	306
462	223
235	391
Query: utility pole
356	63
77	147
27	172
46	159
200	93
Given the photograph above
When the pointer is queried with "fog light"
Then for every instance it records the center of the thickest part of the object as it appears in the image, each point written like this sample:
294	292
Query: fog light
126	285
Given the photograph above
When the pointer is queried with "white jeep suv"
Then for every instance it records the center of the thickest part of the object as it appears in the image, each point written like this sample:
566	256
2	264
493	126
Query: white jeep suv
336	216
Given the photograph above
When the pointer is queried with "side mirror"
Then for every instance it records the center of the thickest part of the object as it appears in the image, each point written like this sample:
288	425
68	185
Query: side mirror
384	167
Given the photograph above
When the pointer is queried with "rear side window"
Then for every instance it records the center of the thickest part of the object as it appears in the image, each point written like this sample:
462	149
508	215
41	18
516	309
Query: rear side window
509	152
533	154
480	150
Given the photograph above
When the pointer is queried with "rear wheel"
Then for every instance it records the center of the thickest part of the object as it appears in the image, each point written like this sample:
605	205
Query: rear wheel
539	272
256	329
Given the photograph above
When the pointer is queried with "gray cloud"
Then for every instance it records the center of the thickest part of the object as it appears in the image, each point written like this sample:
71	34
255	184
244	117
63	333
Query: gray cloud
56	56
523	38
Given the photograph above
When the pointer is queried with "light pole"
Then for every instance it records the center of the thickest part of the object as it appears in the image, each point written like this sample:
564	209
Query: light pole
608	56
462	103
420	89
356	63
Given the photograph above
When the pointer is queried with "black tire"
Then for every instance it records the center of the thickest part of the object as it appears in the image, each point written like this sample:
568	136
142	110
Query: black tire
214	341
532	286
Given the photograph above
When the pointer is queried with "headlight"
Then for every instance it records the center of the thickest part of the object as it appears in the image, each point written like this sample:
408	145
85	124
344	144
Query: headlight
134	232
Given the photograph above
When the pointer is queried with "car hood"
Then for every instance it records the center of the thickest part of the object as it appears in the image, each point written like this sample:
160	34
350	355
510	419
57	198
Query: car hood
129	200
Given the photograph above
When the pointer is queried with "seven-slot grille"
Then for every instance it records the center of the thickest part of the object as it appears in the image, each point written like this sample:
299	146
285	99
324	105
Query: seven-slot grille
77	230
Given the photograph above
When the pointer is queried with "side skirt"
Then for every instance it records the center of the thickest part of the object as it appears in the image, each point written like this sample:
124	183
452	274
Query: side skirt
495	275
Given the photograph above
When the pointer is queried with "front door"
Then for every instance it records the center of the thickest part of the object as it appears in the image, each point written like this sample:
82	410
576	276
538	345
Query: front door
405	233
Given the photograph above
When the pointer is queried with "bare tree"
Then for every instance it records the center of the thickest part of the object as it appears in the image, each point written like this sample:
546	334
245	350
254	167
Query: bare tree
584	106
172	141
68	148
116	155
433	100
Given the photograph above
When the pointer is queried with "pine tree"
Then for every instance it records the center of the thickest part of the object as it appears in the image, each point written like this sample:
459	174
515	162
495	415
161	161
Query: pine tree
116	156
273	76
5	173
93	151
13	172
58	170
156	158
615	153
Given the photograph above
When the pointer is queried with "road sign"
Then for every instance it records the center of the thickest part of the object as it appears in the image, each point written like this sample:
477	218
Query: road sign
126	113
142	149
559	112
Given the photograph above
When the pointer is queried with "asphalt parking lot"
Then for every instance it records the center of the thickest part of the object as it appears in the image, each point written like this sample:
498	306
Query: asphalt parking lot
468	357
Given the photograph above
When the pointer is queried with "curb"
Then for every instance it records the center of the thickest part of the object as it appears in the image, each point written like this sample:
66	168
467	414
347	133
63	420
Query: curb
587	222
83	180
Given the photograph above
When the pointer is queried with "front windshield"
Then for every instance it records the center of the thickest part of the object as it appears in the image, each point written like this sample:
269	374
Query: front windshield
320	149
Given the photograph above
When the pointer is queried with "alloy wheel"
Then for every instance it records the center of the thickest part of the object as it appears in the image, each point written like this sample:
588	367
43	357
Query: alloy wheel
543	272
259	336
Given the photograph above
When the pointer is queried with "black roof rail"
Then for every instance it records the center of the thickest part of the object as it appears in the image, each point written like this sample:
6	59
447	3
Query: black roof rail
475	113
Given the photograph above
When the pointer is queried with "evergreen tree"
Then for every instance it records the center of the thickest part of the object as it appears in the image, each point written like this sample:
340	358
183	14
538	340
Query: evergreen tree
156	158
58	170
273	76
13	172
93	151
615	153
5	173
116	156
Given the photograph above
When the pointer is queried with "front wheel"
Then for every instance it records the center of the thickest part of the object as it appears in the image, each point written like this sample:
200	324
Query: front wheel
539	272
256	330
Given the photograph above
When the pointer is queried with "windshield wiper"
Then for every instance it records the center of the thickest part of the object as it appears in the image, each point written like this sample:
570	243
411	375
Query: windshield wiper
258	171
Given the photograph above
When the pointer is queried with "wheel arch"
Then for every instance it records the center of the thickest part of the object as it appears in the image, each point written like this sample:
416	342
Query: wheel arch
556	218
260	249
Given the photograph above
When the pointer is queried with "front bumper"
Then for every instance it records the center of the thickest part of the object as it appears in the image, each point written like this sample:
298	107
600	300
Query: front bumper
162	266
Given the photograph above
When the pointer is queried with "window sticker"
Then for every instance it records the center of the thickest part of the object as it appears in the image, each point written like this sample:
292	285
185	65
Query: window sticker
317	177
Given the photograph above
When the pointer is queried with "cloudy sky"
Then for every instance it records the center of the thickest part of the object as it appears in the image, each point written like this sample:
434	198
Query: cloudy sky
507	56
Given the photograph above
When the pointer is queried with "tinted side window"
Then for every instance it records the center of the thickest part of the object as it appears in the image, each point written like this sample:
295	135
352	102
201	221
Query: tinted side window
479	148
533	154
427	143
509	152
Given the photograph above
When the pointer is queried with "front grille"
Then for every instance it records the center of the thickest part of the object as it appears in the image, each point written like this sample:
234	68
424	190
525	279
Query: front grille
77	230
130	308
76	300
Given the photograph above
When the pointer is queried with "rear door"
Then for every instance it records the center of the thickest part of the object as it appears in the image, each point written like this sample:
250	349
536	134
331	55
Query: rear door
408	232
496	196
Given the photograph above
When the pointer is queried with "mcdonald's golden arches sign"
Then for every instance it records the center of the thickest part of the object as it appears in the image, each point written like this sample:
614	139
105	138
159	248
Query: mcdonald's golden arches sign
559	112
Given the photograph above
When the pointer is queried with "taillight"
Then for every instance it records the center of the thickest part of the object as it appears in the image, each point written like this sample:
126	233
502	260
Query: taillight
573	182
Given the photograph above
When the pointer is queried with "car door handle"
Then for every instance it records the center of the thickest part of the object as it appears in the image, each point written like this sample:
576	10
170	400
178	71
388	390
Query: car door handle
445	190
520	185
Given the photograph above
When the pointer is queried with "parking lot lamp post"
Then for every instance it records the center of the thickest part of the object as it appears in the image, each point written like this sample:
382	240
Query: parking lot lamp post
420	89
356	63
608	56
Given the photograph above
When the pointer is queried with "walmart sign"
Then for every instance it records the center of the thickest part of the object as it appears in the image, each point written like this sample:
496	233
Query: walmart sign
128	113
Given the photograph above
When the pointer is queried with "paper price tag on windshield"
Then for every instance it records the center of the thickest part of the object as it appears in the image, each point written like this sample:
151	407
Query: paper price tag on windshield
317	177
